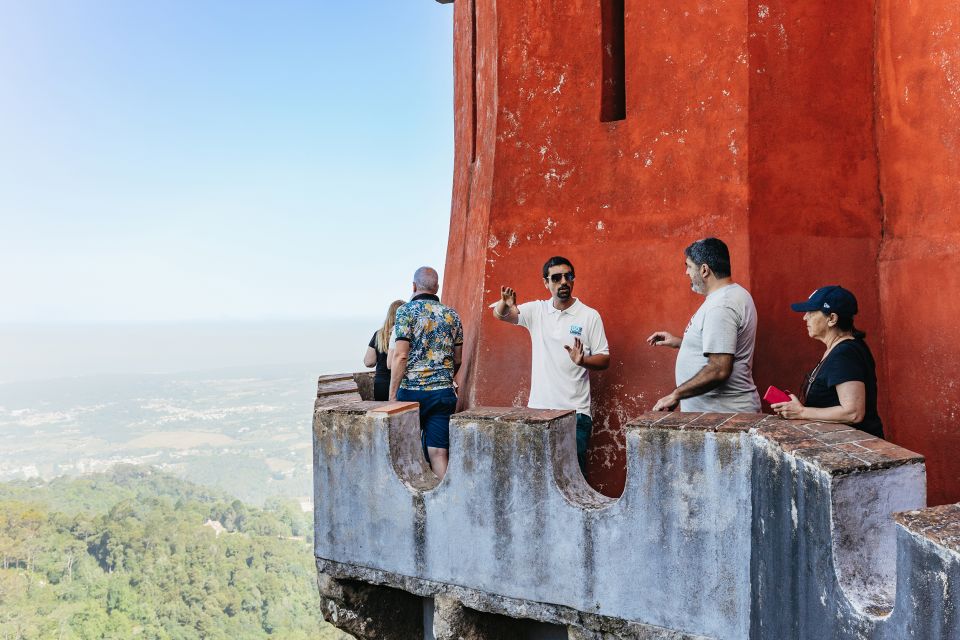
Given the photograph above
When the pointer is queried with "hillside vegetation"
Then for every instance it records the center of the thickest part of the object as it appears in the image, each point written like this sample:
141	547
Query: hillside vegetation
128	555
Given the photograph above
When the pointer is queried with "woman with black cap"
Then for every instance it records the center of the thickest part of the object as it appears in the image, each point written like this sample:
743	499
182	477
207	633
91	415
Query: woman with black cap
843	386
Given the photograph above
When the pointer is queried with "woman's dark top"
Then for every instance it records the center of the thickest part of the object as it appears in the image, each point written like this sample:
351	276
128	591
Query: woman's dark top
848	361
381	379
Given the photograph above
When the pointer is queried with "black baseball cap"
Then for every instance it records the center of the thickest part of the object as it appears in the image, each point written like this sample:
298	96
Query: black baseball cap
829	299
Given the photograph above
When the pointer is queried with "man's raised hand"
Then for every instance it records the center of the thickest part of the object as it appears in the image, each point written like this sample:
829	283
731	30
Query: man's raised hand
509	296
506	307
575	352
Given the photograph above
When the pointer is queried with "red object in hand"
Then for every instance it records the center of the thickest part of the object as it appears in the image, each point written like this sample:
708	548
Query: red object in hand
774	395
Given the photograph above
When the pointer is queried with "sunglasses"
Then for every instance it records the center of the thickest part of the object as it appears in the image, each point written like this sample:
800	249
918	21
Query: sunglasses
557	277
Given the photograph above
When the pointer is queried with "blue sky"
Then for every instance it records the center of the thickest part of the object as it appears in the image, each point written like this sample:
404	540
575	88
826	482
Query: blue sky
220	161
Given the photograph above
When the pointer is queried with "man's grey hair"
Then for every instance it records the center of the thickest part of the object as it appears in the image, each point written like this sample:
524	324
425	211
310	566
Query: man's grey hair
426	280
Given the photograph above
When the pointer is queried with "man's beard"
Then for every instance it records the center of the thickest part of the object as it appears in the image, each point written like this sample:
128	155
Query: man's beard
697	284
563	293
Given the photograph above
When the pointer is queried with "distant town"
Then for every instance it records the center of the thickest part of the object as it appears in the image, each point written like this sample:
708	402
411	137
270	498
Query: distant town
248	435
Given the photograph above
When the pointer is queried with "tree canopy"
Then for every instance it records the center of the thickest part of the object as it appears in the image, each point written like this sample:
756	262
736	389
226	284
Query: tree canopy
136	553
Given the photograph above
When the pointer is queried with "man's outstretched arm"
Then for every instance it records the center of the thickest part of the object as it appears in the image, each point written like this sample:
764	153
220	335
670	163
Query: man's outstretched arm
506	307
717	370
664	339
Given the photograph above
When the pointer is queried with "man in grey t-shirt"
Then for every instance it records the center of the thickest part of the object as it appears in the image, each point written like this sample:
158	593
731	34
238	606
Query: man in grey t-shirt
714	369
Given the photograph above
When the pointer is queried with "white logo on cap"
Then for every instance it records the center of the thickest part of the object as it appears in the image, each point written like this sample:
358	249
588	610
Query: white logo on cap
826	305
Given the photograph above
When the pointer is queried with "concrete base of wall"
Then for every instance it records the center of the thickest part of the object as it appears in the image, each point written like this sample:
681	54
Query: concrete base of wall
372	604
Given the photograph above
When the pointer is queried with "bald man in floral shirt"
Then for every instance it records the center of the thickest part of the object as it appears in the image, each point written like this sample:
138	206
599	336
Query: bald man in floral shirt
427	355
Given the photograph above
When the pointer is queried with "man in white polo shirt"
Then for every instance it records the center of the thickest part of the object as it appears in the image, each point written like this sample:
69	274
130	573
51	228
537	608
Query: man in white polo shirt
568	340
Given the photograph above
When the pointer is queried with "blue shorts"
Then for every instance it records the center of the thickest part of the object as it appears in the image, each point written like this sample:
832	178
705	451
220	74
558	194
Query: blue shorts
436	407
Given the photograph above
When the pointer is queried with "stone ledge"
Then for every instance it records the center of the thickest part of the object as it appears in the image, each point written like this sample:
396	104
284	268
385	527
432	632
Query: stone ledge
694	421
502	605
327	403
355	406
334	377
512	414
837	449
393	408
940	525
333	387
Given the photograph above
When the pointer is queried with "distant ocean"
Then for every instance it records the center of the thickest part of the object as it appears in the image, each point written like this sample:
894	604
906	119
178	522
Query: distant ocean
52	351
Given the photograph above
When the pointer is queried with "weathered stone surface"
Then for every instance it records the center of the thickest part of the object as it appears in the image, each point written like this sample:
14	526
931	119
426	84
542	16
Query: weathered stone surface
620	630
364	382
680	421
515	414
334	377
335	390
335	387
335	400
535	529
371	612
773	529
834	448
940	525
453	621
516	611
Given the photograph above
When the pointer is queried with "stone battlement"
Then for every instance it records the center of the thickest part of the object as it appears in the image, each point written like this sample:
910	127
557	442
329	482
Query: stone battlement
729	526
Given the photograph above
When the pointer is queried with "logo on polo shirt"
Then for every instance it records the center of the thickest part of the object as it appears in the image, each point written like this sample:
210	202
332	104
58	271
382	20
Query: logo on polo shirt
576	330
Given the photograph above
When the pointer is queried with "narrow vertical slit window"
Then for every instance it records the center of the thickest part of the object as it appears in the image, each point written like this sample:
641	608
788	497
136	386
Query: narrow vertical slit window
473	80
613	97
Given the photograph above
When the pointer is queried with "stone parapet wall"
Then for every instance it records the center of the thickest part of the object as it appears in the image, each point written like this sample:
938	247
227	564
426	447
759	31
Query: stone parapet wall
729	526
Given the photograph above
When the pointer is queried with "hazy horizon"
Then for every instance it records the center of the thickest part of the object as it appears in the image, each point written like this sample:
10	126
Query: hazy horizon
37	352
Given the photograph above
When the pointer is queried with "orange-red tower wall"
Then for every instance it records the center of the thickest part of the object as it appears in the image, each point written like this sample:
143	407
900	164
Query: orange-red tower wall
780	127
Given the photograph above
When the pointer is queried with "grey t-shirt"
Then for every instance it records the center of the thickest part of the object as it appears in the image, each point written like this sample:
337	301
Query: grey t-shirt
726	322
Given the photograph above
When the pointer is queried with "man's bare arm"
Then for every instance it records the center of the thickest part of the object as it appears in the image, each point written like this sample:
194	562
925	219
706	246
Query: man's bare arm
401	353
717	370
457	358
506	307
597	362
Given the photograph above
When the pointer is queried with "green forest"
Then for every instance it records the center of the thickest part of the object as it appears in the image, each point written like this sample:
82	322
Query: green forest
136	553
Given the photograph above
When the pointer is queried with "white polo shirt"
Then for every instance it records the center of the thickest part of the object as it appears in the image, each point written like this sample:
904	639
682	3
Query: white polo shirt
555	381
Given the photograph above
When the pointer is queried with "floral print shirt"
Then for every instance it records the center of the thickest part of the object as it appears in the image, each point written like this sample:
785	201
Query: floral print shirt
433	330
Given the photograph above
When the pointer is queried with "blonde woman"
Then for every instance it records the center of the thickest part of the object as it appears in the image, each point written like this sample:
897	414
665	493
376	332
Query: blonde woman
380	353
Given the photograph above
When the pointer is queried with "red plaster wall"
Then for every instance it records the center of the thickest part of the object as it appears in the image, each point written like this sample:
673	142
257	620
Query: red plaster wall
815	211
918	63
751	121
620	199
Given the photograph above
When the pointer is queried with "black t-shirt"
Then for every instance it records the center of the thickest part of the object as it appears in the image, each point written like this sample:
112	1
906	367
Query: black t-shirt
383	373
849	361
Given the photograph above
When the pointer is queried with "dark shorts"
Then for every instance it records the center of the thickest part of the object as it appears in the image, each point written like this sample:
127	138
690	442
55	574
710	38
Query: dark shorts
436	407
